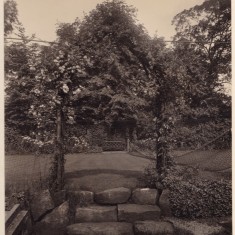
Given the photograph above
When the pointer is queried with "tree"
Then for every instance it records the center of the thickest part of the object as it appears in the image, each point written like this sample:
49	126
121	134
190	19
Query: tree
18	76
209	27
114	47
203	60
10	16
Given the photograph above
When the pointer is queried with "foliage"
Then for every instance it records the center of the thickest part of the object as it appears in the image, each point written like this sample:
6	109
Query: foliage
192	197
10	16
15	143
209	22
207	135
18	84
209	26
151	177
114	46
144	148
56	174
201	64
77	144
12	141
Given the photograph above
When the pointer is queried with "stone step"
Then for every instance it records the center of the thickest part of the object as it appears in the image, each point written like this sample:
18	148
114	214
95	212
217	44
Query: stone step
105	228
134	212
96	213
153	228
81	198
183	226
145	196
113	196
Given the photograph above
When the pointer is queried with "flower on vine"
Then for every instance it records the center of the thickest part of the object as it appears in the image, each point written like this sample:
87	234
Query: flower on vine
36	91
77	92
65	88
32	68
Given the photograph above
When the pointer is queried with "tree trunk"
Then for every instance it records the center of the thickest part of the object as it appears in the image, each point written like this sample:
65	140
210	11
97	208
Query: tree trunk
128	139
160	151
161	145
59	154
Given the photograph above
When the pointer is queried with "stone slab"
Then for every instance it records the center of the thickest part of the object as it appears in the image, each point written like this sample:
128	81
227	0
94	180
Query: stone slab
135	212
41	203
153	228
164	203
58	217
96	214
194	227
113	196
81	198
145	196
107	228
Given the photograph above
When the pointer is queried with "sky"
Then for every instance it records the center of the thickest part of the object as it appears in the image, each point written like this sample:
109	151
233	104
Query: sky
41	16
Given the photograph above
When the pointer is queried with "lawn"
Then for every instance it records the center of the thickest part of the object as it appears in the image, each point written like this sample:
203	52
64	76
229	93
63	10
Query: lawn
83	171
23	172
210	160
113	170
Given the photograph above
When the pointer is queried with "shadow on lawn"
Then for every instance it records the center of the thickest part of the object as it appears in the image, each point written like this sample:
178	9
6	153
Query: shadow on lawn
102	179
124	173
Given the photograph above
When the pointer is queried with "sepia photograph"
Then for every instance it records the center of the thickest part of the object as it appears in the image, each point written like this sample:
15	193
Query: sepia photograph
117	117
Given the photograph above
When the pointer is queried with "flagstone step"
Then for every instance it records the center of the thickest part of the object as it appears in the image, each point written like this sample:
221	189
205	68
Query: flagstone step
96	213
113	196
105	228
134	212
153	228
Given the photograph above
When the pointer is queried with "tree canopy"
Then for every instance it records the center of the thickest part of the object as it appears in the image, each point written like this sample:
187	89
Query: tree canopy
203	65
114	48
208	29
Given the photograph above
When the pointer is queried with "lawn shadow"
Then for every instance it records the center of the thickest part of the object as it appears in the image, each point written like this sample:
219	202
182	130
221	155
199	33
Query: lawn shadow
89	172
101	179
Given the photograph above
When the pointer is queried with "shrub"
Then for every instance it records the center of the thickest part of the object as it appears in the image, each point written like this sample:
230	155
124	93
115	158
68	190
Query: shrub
12	141
15	143
150	176
145	144
18	144
192	197
75	144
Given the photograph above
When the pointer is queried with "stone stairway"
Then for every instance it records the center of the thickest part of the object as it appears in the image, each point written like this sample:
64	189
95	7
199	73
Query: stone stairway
117	212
